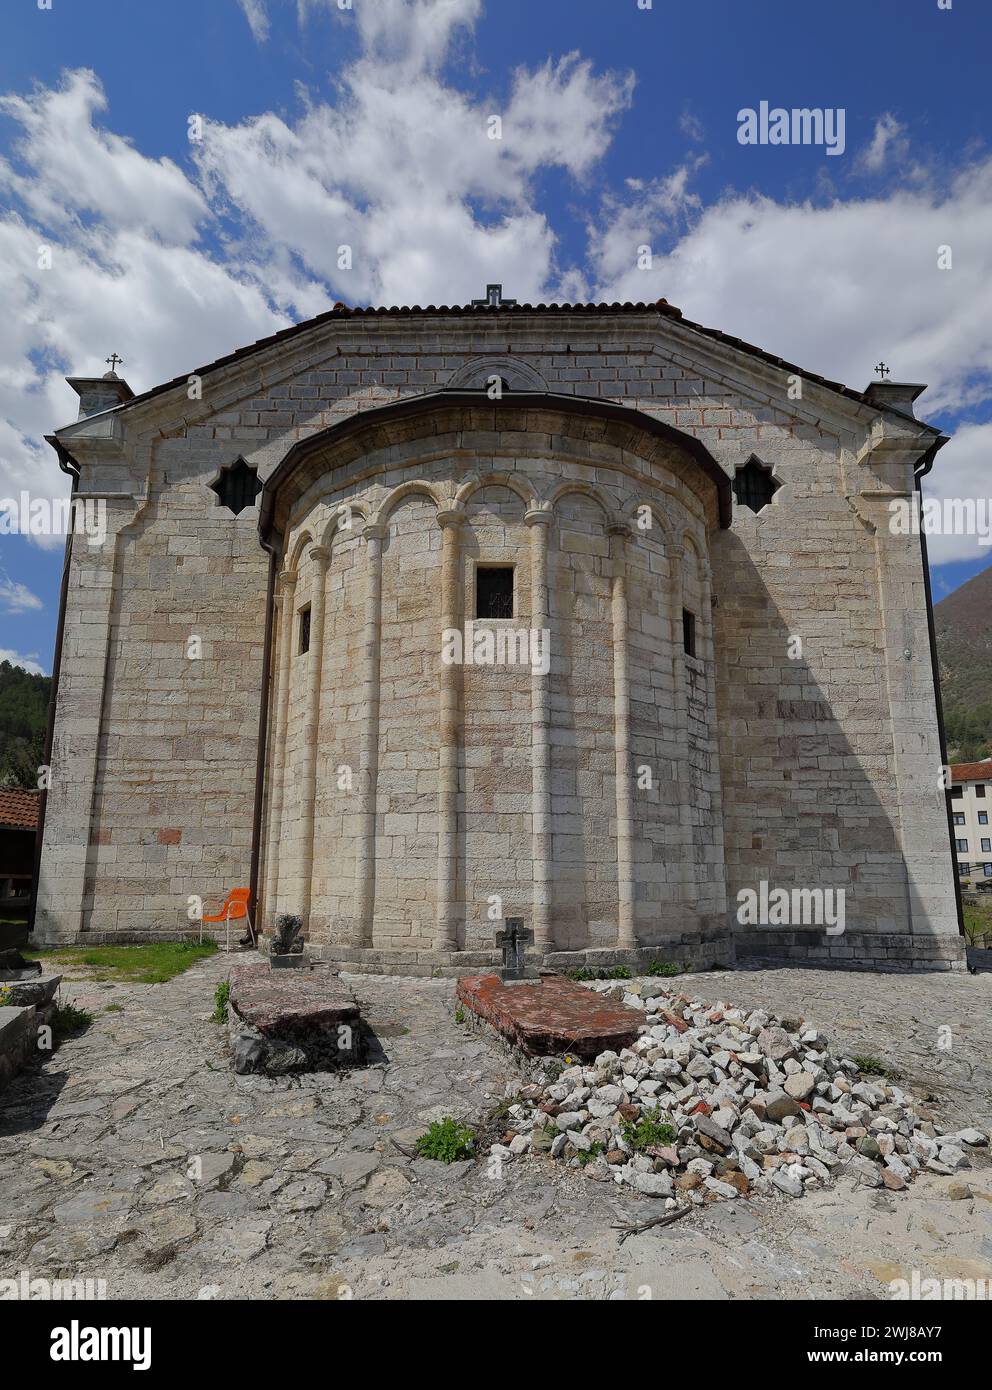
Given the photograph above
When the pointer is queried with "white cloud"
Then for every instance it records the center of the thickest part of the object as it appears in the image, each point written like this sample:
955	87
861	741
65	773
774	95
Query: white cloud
412	34
16	597
962	470
27	663
888	142
172	266
692	126
77	168
832	287
257	17
402	169
124	272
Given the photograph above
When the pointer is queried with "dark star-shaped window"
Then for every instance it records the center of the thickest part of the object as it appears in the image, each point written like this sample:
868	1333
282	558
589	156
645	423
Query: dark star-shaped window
754	485
237	485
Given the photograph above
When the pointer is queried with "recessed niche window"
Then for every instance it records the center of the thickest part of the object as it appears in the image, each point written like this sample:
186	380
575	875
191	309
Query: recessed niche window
688	632
980	789
957	792
494	591
237	485
754	485
304	642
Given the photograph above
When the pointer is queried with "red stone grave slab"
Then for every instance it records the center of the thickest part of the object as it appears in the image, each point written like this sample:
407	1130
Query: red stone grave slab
551	1017
287	1003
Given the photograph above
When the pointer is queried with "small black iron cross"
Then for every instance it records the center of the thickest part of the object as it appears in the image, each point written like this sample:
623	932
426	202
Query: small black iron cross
883	370
113	359
513	938
494	299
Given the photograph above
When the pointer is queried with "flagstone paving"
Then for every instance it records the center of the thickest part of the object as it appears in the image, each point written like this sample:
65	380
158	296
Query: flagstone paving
135	1155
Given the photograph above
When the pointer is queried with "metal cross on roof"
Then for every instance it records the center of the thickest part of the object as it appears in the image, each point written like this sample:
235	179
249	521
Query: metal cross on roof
494	299
883	370
113	359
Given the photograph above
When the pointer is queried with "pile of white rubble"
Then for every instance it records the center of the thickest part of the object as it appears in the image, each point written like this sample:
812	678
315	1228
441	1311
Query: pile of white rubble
713	1102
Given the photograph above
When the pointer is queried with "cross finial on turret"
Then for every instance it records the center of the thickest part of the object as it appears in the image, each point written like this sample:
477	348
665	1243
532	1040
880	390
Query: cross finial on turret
113	359
493	300
883	370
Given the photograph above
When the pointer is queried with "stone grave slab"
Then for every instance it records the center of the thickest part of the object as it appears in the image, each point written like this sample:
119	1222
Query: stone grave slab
299	1020
552	1017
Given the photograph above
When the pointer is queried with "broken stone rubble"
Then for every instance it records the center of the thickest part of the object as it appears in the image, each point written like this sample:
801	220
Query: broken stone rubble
756	1109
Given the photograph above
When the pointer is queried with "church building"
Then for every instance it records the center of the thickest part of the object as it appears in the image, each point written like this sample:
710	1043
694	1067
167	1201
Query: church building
414	621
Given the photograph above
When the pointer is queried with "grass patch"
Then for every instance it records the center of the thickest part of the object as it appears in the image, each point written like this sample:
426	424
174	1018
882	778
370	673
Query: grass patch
583	972
447	1141
67	1020
664	967
873	1066
978	923
648	1133
589	1155
114	1009
221	995
152	964
459	1015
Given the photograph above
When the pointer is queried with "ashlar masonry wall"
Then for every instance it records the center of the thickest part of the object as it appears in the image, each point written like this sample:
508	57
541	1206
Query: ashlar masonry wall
825	765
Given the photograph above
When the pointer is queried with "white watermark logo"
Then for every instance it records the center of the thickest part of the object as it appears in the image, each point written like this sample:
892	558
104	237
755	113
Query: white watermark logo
792	907
24	1289
80	1343
502	646
916	1289
942	516
54	516
797	126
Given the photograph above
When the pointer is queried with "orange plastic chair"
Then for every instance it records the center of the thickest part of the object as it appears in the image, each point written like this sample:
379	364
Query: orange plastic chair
234	908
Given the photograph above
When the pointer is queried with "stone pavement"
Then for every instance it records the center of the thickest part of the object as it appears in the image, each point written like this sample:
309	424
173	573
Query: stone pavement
135	1155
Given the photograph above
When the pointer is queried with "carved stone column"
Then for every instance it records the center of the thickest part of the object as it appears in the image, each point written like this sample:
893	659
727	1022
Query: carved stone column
321	557
449	740
626	934
539	521
284	599
680	712
368	772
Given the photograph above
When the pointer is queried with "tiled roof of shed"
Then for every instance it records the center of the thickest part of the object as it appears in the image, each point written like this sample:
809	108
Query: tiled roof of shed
19	808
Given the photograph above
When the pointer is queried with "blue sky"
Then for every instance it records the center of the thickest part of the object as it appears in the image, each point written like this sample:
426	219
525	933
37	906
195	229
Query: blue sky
366	125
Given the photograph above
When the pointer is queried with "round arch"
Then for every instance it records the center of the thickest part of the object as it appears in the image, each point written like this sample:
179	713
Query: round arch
452	412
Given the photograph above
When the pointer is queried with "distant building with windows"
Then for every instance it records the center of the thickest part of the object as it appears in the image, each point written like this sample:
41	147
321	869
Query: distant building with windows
971	808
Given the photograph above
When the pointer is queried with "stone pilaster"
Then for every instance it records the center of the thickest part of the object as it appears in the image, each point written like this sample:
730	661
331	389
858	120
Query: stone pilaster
368	772
626	932
921	812
284	600
539	521
320	556
449	741
81	695
680	718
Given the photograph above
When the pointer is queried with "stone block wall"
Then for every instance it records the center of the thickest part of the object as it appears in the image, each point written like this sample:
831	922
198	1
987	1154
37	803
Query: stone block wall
823	767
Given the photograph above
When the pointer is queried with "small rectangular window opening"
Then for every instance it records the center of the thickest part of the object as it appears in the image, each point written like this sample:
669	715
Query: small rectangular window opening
494	591
304	645
688	632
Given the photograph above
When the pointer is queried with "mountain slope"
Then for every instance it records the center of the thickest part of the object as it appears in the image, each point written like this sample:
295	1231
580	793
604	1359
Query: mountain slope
963	624
23	716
